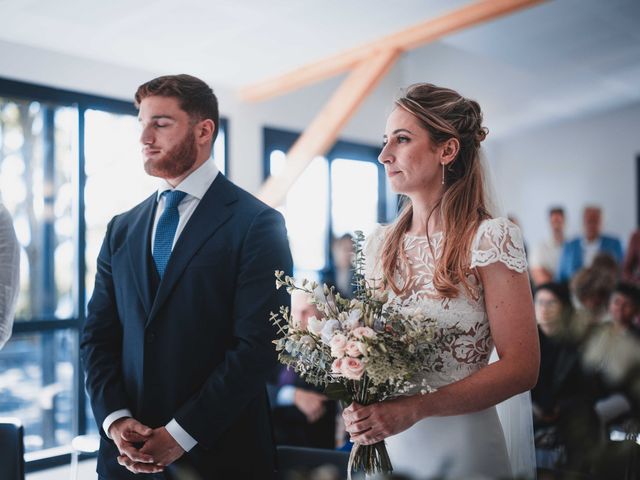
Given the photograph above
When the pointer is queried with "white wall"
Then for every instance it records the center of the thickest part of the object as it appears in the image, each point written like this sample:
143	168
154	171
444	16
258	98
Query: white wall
44	67
585	161
293	111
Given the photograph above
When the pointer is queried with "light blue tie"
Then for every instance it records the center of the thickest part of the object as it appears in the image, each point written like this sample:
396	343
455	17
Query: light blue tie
166	229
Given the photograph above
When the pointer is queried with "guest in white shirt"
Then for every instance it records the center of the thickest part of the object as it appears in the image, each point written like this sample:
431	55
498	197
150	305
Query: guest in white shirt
9	274
546	255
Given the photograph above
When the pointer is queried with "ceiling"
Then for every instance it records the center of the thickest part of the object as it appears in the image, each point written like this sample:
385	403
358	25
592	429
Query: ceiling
560	59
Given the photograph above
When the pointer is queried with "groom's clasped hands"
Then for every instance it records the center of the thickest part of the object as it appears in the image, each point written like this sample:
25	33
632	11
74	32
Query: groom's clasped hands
143	449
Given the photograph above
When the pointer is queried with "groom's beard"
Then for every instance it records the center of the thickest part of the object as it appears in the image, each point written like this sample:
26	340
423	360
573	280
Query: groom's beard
176	161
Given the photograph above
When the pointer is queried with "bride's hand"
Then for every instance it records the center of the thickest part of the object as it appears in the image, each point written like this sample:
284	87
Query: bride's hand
373	423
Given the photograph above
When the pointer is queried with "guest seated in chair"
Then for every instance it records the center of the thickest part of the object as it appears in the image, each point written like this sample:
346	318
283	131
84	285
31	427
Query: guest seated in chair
302	416
563	414
340	275
624	308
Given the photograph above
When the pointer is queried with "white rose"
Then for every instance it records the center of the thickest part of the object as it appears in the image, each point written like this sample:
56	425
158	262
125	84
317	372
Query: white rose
353	320
330	327
315	326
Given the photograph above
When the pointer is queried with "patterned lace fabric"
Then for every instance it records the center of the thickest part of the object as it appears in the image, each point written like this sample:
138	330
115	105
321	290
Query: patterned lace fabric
468	350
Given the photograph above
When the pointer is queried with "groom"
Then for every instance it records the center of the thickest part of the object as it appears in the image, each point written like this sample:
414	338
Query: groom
177	341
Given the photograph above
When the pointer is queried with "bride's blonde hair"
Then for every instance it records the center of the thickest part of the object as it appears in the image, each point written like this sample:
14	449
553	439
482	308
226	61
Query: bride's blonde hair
445	114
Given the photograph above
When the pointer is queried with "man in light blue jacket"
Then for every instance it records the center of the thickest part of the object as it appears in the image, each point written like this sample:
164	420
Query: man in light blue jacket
580	252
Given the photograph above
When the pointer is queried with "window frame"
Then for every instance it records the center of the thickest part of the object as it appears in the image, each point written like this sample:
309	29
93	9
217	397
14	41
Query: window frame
282	139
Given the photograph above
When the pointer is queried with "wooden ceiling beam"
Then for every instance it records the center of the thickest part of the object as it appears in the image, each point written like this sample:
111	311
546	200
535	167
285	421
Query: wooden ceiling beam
321	134
402	41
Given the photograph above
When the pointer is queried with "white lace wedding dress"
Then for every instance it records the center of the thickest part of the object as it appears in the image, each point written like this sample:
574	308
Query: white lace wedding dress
462	446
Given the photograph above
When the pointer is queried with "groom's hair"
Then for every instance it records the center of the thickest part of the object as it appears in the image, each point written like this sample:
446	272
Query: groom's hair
195	96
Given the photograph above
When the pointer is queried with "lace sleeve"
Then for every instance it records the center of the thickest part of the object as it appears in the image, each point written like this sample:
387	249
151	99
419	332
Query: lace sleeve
499	240
373	255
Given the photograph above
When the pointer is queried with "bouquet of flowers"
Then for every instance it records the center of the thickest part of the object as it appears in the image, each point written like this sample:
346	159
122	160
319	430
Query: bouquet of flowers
363	350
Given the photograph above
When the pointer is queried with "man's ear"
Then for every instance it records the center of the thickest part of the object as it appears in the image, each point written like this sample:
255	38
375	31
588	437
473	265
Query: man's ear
204	130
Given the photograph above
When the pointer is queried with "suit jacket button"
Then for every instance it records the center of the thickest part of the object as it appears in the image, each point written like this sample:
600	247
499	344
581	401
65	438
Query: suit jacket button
151	337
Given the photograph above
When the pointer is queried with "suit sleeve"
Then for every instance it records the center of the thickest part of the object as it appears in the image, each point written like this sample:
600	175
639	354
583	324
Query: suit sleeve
101	342
247	365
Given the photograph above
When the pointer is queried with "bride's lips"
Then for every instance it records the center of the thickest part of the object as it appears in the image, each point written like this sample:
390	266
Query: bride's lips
392	173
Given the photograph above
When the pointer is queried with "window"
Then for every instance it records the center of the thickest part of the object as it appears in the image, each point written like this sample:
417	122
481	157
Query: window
306	212
340	193
355	196
68	163
37	386
37	144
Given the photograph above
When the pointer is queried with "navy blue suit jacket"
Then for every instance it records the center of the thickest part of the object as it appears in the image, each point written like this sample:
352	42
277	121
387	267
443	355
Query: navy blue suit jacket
571	257
199	348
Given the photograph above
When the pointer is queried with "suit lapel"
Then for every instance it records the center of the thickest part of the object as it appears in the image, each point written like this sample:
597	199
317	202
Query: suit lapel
138	244
214	210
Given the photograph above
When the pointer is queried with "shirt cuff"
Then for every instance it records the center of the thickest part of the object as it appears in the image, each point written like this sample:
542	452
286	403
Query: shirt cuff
118	414
179	434
286	396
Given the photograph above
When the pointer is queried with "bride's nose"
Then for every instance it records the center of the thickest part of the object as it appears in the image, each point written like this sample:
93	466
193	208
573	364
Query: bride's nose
385	156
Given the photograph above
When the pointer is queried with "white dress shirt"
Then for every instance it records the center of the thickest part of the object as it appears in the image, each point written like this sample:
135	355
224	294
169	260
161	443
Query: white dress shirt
9	274
195	186
589	251
547	255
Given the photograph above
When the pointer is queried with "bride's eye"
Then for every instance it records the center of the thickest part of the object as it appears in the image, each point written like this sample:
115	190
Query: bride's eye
402	139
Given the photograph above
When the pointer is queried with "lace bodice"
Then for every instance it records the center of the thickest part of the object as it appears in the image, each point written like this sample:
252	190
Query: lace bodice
468	350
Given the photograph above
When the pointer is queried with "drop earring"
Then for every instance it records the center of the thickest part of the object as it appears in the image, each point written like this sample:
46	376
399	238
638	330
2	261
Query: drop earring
442	173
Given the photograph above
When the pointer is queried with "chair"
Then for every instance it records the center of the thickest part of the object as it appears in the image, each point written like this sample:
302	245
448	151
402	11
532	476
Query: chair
303	459
82	444
11	449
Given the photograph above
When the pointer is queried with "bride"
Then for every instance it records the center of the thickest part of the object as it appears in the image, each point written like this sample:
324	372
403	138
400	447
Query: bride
446	256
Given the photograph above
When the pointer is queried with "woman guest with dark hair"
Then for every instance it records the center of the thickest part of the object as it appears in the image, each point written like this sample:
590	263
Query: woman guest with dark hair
563	399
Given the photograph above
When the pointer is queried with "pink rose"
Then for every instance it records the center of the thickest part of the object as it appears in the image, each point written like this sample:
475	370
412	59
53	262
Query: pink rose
336	366
362	332
338	343
352	368
355	349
